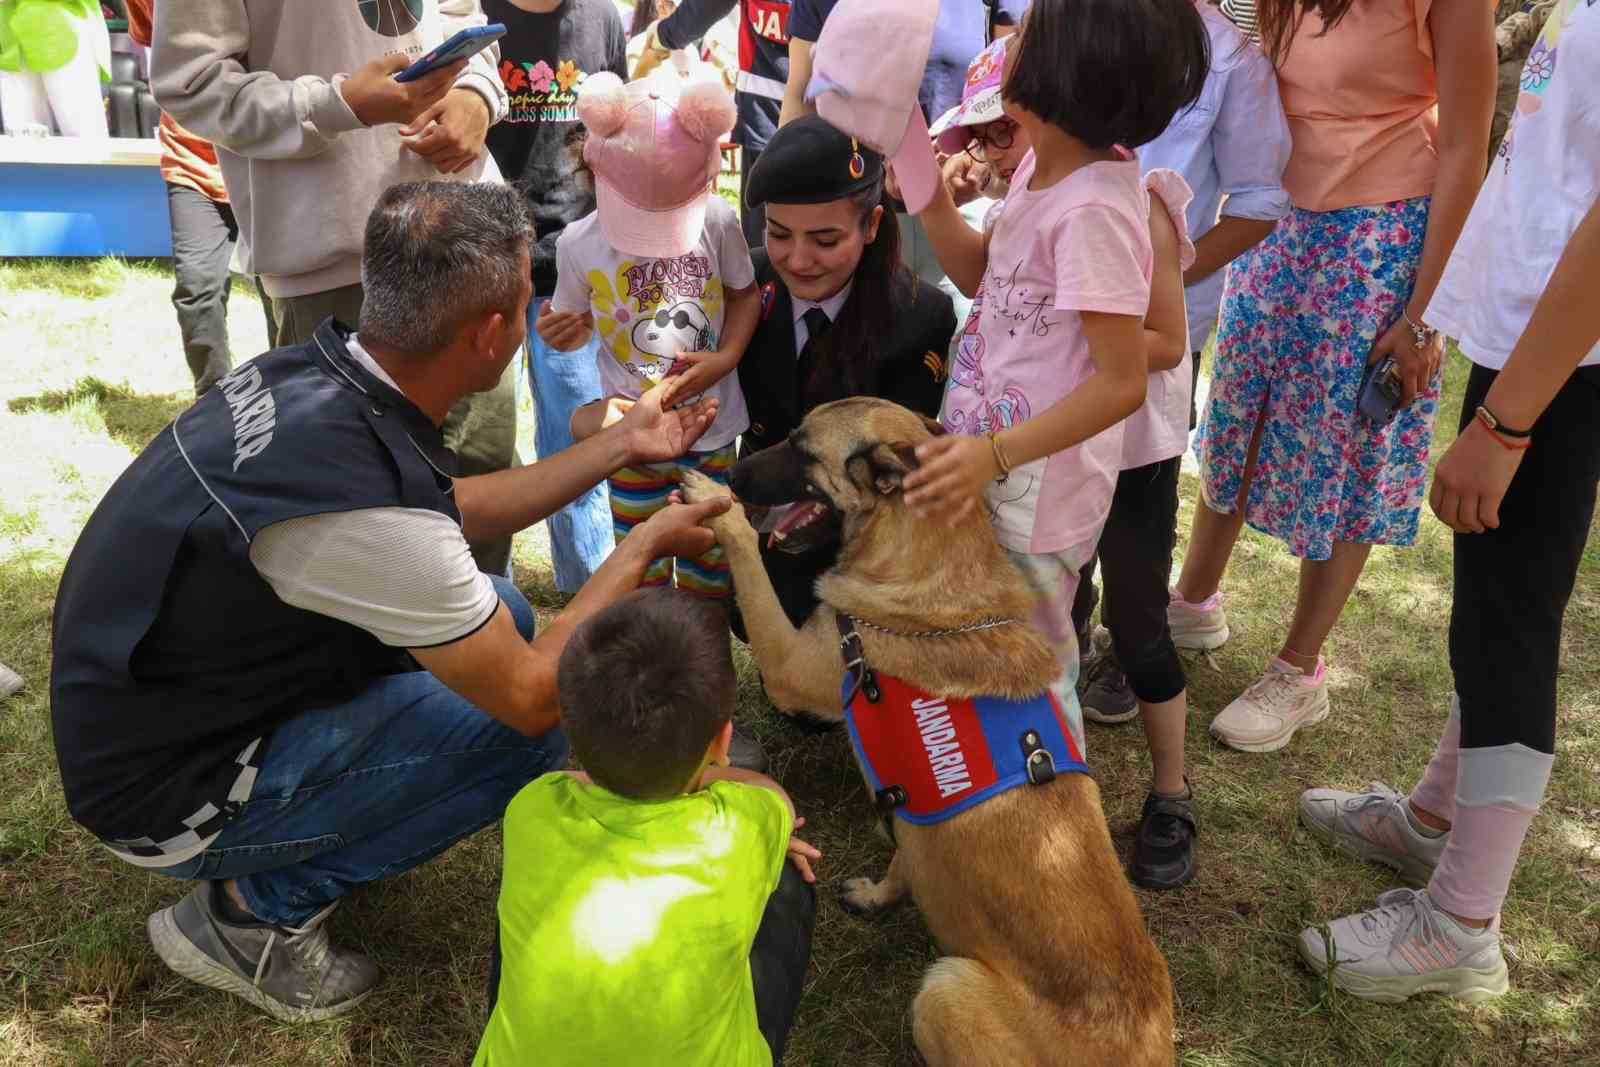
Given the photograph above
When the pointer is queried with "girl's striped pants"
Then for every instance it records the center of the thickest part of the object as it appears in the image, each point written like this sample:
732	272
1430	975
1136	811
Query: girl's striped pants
639	492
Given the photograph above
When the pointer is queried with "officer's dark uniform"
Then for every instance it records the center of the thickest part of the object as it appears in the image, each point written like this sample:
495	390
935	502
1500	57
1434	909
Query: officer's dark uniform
174	659
810	162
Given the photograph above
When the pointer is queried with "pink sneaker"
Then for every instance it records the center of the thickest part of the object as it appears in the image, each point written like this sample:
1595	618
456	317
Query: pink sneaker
1200	627
1265	717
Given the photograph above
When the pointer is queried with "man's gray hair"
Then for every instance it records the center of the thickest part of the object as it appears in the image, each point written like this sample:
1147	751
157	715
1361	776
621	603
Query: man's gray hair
437	255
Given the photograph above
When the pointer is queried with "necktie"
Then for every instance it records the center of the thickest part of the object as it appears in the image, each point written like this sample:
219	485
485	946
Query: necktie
817	324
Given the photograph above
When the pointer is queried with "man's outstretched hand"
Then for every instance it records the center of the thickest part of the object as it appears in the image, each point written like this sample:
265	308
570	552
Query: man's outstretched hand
679	529
655	436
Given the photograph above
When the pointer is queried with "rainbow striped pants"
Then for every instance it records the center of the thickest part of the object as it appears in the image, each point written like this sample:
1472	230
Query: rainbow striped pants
639	492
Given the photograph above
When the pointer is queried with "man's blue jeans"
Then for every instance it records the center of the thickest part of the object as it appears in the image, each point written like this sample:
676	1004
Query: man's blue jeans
366	790
562	382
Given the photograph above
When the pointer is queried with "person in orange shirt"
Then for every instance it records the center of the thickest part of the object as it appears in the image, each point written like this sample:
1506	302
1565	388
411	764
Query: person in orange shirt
1389	104
203	235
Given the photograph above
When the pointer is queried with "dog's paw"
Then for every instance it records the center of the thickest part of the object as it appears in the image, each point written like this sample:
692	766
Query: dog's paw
698	488
861	896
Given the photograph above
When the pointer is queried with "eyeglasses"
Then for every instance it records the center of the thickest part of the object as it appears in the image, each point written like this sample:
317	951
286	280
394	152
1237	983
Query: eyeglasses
997	136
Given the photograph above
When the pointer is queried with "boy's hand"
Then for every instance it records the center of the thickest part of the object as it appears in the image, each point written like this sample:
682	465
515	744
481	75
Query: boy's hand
452	132
802	854
695	372
564	331
953	473
378	100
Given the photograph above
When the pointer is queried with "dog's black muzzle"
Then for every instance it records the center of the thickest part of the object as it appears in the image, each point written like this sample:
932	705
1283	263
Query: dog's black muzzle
772	477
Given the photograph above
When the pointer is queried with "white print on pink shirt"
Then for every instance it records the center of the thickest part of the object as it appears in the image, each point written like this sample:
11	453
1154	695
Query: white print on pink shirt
1006	409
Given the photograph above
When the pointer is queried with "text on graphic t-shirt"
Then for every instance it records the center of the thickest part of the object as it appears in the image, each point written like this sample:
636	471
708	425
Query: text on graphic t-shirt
544	61
647	311
1081	245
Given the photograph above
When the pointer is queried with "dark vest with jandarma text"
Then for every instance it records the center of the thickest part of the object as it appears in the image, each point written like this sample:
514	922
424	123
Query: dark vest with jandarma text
174	660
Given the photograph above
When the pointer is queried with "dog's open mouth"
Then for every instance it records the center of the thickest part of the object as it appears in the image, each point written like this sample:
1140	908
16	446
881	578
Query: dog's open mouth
803	526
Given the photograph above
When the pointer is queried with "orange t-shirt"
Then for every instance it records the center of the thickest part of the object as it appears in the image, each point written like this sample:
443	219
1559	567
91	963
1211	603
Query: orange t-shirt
185	158
1362	103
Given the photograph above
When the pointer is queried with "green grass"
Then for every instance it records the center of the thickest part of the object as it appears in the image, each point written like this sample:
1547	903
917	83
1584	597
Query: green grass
90	368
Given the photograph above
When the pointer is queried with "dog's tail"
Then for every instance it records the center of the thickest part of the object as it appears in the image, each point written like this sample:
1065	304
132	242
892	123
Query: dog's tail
969	1015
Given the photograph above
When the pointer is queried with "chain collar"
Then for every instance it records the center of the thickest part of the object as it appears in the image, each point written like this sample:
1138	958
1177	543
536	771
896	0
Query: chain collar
971	627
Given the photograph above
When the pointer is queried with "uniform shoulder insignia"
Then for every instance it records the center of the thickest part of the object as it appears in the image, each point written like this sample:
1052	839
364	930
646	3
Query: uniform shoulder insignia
935	364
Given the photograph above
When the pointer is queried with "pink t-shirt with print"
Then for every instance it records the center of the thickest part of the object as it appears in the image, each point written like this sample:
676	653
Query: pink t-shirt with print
1081	245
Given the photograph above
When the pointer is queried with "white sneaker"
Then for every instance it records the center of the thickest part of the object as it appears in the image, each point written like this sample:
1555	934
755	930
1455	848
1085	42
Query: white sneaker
1266	716
1200	627
1372	826
10	681
1405	946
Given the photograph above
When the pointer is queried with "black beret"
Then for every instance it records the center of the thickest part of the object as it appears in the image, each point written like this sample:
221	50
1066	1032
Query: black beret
810	162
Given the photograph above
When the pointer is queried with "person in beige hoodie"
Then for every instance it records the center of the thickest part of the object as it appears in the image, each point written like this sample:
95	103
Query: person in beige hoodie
310	127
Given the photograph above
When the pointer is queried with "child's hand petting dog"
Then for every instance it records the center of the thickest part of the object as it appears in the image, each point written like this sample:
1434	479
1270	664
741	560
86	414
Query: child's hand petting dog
695	487
952	477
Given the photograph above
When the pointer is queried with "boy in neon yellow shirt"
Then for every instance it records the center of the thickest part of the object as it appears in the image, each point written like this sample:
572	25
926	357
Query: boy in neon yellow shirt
646	912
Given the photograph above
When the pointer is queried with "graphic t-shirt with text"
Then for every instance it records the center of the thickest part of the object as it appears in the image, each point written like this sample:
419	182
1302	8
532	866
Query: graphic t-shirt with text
544	60
646	311
1081	245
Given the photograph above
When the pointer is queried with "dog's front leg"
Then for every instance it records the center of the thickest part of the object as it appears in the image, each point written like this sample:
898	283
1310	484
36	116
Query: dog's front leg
801	669
863	895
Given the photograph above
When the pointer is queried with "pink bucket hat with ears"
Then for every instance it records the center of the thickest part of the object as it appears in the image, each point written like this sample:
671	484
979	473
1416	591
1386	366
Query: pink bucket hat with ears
654	147
980	99
867	66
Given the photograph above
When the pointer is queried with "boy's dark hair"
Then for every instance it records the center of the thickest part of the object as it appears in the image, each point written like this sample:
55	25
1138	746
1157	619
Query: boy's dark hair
1109	72
644	687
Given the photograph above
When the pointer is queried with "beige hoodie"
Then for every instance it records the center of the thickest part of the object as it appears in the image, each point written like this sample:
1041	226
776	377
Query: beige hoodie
260	79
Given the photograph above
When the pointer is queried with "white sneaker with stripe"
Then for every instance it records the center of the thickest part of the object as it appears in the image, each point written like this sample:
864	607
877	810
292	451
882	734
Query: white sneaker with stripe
1405	946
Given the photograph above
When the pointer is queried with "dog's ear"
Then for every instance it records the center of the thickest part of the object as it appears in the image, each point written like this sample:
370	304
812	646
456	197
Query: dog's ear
934	426
882	467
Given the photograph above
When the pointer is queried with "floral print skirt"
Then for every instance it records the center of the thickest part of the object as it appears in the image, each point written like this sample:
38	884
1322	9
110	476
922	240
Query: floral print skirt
1300	315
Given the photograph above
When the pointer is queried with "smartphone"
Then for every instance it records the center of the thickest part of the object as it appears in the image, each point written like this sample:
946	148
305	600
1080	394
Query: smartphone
468	42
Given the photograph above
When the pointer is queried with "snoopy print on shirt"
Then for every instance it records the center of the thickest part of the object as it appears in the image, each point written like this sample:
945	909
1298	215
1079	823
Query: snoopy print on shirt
649	311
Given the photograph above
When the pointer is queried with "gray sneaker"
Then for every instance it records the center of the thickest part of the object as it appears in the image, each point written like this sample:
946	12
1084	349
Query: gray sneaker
1372	826
10	681
1103	688
291	973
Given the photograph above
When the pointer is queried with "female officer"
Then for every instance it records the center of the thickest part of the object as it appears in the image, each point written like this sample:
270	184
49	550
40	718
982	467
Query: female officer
841	315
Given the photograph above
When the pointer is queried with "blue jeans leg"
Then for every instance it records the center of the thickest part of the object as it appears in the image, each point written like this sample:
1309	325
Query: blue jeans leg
562	382
360	791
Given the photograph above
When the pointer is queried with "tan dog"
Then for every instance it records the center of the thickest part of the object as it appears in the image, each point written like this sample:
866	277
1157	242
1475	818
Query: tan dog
1048	958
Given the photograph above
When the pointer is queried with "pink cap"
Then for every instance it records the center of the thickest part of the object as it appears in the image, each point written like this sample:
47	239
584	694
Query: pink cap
654	147
980	99
867	66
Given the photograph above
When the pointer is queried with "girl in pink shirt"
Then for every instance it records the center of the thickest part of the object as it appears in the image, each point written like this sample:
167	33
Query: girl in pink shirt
1389	104
1053	357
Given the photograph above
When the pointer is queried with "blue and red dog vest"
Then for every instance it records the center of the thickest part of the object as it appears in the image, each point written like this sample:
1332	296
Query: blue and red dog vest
929	758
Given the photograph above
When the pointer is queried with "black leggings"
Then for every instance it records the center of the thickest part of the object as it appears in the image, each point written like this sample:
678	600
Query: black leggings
1135	555
778	958
1512	583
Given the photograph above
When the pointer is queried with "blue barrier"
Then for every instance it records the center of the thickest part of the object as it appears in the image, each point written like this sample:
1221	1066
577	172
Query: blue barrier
68	196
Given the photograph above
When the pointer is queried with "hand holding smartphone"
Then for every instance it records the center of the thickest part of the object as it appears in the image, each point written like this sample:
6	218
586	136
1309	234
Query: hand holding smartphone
464	45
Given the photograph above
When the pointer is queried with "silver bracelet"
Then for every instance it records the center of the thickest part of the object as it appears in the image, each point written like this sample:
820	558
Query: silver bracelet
1423	334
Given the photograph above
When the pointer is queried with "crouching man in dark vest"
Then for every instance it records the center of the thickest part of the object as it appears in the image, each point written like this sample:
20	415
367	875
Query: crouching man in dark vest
277	670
